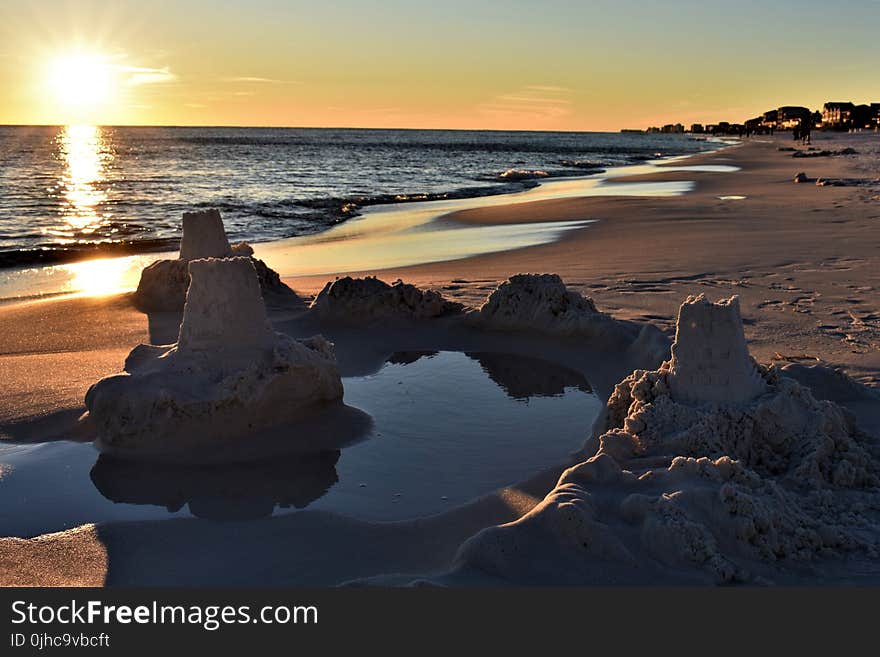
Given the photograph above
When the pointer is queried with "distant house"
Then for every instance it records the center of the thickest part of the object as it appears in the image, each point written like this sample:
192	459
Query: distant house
790	116
770	119
875	118
862	117
754	125
838	115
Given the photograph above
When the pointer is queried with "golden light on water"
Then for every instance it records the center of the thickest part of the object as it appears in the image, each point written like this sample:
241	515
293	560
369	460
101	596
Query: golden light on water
105	276
86	154
83	151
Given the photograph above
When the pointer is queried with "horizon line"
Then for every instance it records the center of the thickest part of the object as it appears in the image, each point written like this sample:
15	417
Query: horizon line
296	127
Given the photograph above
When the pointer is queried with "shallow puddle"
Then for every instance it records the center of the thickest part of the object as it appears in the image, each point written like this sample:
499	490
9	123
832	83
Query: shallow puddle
447	427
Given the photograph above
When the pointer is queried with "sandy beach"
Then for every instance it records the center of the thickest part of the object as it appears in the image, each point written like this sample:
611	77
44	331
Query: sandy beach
803	259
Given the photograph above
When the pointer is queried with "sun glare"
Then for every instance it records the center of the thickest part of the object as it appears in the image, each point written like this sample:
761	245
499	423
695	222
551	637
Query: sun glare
105	276
81	81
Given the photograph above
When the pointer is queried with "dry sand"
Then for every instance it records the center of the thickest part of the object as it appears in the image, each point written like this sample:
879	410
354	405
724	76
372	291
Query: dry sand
803	259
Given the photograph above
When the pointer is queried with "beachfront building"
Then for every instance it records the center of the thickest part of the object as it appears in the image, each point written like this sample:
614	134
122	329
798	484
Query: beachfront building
697	128
791	116
754	125
837	116
862	117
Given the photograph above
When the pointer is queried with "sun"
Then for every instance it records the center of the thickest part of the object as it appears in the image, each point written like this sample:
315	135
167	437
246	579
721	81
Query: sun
81	81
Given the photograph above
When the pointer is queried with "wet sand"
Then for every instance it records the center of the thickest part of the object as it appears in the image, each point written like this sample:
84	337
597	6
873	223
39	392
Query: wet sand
802	258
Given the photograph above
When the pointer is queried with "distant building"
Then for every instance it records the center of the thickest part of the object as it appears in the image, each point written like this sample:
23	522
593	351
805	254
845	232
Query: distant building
770	119
754	125
837	115
790	116
862	117
697	128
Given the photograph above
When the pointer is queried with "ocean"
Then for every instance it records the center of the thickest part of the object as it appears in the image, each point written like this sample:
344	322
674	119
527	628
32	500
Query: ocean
72	192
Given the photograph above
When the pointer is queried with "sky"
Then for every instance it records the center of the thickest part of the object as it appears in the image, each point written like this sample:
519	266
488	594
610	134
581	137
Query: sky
475	64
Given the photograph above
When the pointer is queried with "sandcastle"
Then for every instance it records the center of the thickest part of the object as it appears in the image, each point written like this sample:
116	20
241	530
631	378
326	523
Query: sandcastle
543	303
357	300
710	469
163	283
710	360
229	374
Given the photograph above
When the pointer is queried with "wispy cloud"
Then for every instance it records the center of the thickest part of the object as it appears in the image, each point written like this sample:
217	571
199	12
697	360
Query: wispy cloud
138	75
548	89
532	102
258	80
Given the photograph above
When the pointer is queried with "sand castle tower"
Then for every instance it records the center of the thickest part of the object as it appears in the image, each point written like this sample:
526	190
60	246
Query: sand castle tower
203	236
224	309
163	283
710	359
229	375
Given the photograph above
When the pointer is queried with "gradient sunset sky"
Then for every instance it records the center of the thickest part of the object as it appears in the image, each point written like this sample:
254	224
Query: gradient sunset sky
553	64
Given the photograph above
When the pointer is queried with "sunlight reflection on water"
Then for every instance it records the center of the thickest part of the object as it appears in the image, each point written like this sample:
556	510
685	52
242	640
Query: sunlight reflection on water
85	154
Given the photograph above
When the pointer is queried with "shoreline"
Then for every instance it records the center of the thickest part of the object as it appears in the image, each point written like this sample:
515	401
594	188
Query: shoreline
801	257
119	273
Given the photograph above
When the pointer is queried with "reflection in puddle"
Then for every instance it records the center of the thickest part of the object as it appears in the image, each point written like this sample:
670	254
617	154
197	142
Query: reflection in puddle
450	427
227	492
522	377
447	427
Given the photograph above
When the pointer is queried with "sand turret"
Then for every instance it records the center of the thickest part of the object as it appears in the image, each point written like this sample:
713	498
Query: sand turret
203	236
710	359
163	283
224	310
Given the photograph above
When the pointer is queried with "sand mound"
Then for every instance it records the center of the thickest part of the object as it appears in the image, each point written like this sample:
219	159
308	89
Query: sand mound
228	375
542	303
830	383
358	300
745	481
163	283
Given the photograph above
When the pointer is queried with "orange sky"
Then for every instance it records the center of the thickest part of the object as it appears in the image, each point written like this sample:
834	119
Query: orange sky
560	65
